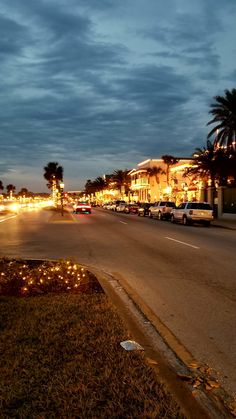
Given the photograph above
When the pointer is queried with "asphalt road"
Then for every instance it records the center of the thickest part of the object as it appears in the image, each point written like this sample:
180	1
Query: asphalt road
185	274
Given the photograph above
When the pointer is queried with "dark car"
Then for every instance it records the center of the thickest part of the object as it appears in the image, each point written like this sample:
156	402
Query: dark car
131	209
144	209
82	208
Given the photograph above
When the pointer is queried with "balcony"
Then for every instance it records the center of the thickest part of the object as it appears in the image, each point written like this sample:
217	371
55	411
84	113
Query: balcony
139	183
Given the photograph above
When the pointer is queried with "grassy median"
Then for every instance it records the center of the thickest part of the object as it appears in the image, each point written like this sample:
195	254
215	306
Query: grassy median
60	349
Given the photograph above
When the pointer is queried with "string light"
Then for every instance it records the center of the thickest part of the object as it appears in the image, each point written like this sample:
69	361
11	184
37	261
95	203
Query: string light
72	276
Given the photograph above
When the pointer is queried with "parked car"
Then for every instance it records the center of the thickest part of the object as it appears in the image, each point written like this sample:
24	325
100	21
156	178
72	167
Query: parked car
192	212
107	205
82	208
116	203
131	209
161	210
121	207
144	209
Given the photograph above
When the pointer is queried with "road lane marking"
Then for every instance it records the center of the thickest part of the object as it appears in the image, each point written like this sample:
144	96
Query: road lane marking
123	222
5	219
179	241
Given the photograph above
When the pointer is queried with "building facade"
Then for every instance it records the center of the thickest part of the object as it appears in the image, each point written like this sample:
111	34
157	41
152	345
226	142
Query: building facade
153	180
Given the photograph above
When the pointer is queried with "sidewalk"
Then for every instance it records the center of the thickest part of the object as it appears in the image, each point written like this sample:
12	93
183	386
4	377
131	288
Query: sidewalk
228	222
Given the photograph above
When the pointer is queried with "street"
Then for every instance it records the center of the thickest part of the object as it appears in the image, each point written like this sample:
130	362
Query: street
185	274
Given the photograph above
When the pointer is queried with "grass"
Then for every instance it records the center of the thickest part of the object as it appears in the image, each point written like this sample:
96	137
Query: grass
61	354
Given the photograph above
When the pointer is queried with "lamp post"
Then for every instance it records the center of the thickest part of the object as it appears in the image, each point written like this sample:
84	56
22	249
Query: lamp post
62	197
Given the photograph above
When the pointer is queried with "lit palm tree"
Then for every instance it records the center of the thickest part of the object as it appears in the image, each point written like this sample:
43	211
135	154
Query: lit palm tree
224	118
96	185
210	163
100	183
155	171
10	189
53	174
121	180
169	161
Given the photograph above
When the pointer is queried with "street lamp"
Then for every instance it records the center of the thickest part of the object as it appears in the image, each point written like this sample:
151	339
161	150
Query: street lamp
62	197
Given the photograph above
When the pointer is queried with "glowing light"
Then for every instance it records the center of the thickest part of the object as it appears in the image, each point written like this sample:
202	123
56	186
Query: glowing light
168	189
14	207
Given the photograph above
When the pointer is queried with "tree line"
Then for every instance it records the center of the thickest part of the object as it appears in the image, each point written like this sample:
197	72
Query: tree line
10	190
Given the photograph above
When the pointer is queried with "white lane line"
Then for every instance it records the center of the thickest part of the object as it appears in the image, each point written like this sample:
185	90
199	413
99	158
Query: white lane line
123	222
5	219
186	244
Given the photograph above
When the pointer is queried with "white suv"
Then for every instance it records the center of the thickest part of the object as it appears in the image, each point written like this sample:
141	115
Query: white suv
192	212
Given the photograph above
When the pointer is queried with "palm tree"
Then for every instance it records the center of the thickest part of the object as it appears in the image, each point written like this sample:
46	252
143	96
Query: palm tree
53	174
96	185
10	189
121	180
210	163
89	187
224	116
100	183
1	186
169	161
155	171
24	192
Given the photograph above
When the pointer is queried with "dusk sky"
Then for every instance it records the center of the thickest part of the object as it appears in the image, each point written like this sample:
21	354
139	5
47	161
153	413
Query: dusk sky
100	85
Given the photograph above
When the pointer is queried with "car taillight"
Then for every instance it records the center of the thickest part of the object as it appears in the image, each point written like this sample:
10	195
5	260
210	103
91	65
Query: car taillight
191	212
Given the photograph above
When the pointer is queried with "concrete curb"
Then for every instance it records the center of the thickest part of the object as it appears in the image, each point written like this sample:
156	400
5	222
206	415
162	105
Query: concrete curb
172	360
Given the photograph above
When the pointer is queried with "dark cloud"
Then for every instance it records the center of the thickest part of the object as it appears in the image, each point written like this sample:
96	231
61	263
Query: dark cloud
12	36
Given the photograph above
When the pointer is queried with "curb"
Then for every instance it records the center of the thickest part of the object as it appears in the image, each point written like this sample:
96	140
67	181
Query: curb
169	358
